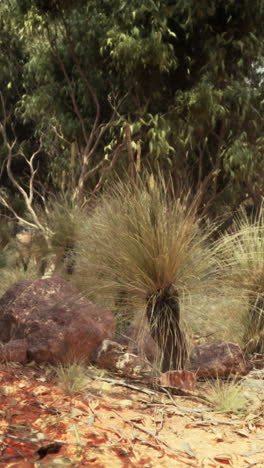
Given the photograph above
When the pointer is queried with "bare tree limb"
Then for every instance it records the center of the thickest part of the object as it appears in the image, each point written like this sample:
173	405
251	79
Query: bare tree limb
27	197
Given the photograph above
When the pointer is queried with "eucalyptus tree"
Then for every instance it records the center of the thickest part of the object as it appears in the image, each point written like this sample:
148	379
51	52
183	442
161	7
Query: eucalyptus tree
111	83
196	72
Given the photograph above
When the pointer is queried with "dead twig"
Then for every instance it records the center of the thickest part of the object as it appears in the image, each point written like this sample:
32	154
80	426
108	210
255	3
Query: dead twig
207	422
161	422
252	452
169	449
111	428
123	383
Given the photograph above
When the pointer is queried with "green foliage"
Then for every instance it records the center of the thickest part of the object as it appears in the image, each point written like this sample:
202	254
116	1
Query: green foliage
190	75
140	39
5	232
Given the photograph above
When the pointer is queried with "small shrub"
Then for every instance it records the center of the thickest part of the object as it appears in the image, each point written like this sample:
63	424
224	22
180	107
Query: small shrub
72	377
10	276
227	397
241	256
64	220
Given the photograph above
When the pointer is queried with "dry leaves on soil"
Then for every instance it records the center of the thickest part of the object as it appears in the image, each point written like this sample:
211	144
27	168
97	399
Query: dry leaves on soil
112	425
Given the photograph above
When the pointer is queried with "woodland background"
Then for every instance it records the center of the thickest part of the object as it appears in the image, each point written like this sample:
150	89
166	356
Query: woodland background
95	89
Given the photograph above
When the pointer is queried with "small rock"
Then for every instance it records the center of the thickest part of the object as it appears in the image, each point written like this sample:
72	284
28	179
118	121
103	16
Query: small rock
220	359
113	356
253	384
180	379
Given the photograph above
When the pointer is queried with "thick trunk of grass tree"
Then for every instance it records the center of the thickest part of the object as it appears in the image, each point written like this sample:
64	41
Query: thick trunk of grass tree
163	313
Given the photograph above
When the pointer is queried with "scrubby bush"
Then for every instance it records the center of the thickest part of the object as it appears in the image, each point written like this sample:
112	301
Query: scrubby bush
63	220
241	255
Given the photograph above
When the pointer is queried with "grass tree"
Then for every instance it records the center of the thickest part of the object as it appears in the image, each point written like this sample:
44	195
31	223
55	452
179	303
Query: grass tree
143	250
241	256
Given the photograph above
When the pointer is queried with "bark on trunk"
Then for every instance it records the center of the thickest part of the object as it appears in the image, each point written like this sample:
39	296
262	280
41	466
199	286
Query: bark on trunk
163	313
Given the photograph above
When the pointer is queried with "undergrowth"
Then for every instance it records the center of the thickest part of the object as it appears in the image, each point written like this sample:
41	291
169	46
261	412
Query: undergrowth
228	397
72	377
241	258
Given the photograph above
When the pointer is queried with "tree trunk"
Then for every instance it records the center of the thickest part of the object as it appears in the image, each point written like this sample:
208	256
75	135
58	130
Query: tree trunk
163	313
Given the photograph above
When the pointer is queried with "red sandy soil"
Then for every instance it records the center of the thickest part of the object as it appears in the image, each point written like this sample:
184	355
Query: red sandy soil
114	426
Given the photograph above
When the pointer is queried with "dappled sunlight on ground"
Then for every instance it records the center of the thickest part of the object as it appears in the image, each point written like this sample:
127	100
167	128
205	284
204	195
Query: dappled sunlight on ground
114	426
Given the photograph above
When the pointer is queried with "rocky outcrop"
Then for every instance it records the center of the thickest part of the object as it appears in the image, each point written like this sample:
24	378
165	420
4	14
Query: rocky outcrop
56	322
220	359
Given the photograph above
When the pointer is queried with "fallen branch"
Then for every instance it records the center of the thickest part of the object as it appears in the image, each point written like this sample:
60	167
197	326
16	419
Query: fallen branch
123	383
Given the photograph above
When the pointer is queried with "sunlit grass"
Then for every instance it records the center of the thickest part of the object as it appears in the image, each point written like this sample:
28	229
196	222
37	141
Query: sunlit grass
72	377
241	256
10	276
227	397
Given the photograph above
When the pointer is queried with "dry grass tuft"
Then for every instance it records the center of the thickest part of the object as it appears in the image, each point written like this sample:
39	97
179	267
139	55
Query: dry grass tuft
228	397
72	377
10	276
64	220
241	256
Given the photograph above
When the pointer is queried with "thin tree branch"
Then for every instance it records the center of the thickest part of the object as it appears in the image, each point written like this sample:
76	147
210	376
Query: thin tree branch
27	197
88	84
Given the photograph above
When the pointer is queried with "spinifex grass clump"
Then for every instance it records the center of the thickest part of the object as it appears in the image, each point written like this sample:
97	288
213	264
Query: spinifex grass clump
64	220
72	376
228	397
142	251
10	276
242	262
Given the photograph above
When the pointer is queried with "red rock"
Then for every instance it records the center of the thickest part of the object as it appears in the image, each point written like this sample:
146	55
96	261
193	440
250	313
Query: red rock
56	322
14	350
181	379
220	359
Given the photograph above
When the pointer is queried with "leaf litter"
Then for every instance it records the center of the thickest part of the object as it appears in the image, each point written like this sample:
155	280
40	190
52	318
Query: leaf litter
121	425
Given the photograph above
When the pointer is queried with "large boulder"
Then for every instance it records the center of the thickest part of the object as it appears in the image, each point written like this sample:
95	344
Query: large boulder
56	322
220	359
